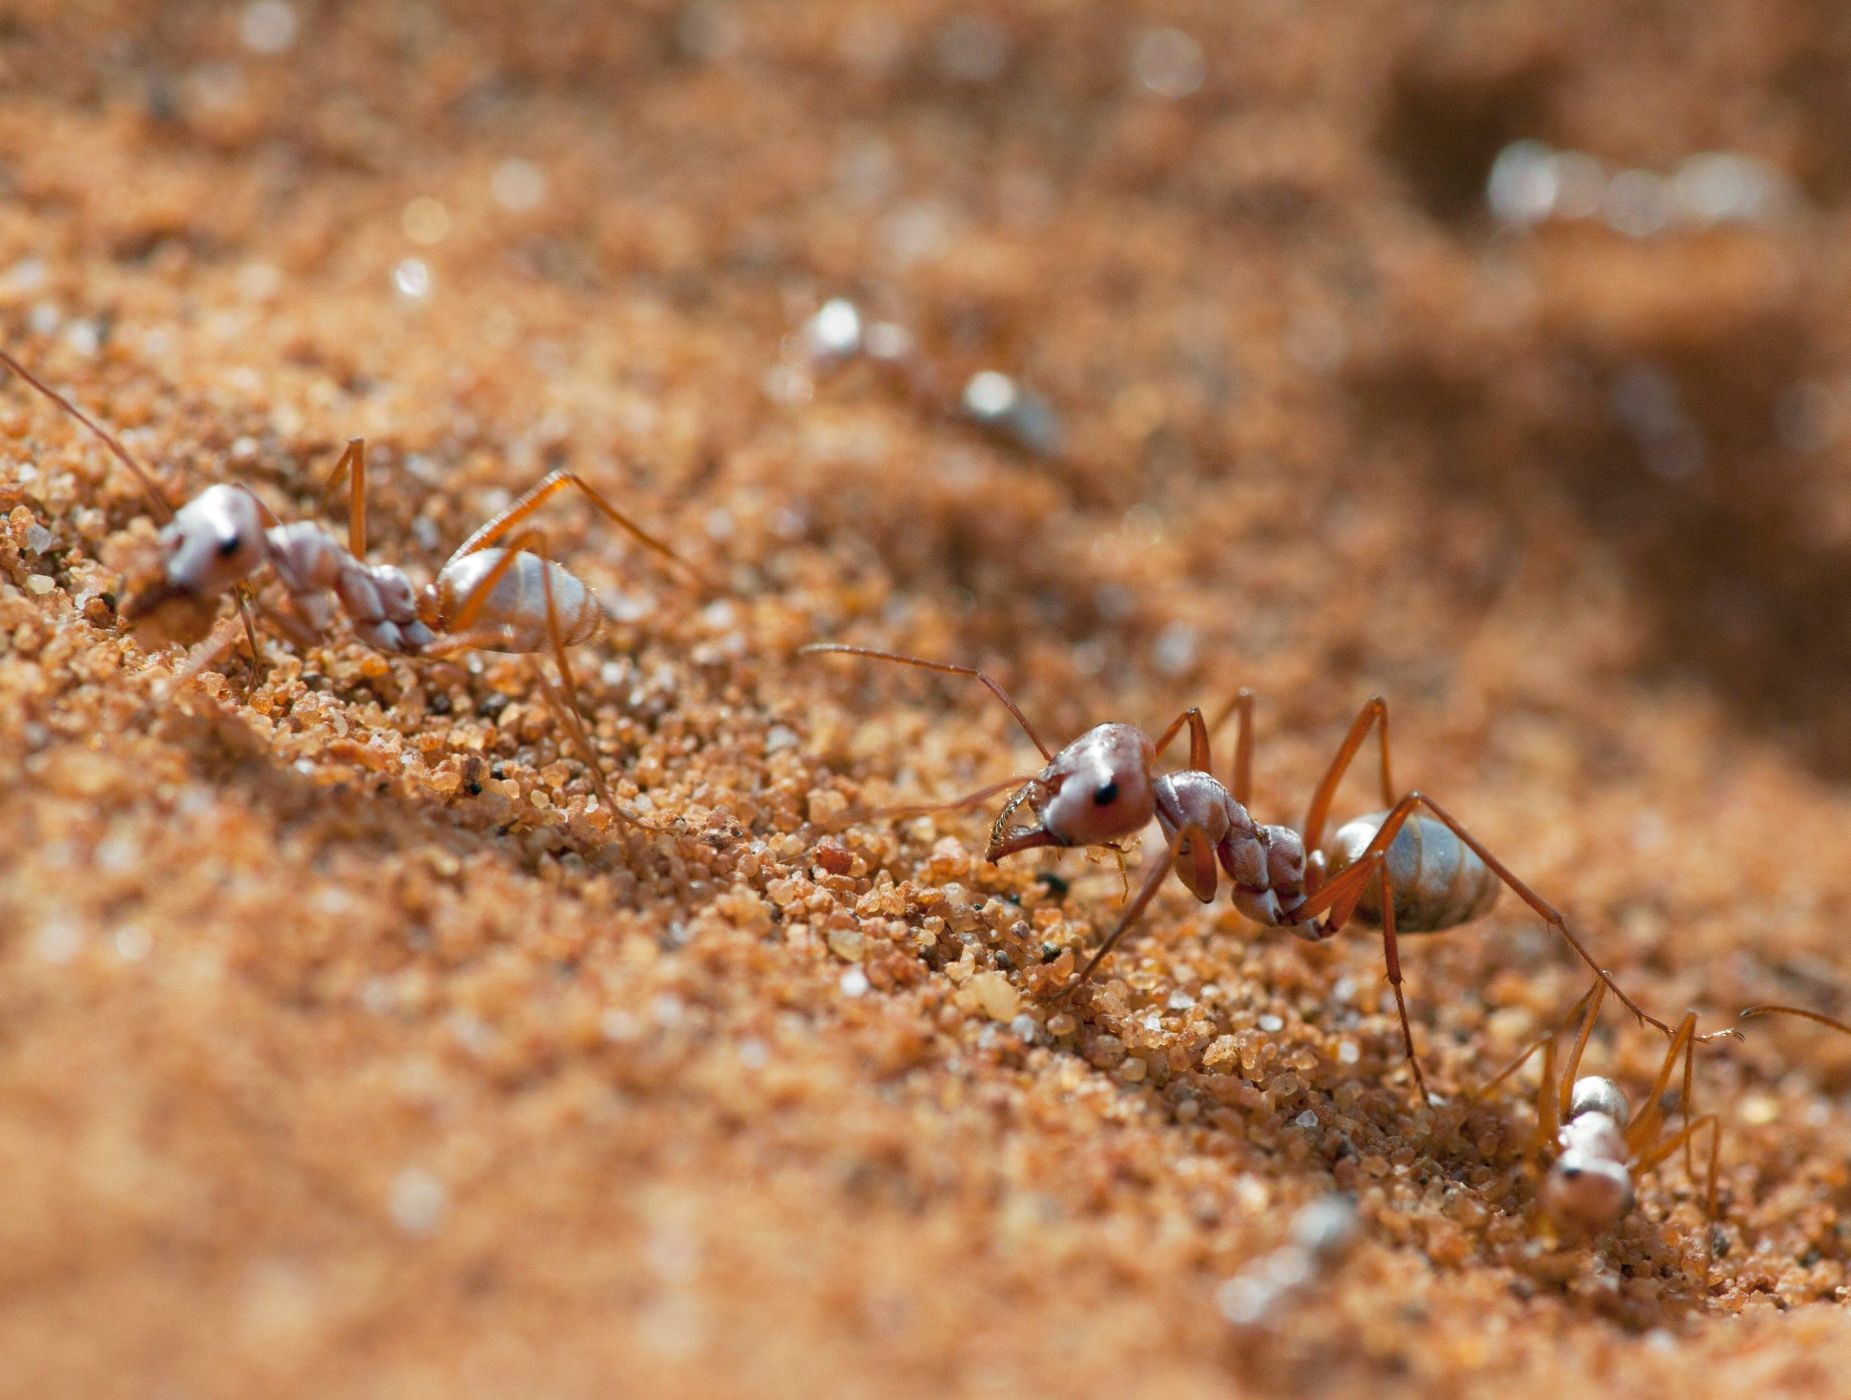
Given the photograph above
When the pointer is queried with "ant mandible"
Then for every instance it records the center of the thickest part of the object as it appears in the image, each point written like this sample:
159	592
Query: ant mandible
498	592
1410	868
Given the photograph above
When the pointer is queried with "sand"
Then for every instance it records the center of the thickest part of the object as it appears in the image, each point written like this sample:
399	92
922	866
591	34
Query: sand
347	1048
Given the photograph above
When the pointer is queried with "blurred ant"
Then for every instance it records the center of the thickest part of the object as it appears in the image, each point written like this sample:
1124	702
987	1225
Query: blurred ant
1402	869
498	592
1600	1149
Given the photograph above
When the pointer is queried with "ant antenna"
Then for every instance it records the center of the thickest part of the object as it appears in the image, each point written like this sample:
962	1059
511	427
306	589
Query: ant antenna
995	688
162	509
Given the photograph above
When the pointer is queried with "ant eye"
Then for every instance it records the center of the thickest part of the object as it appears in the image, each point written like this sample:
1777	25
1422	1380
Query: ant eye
1105	794
229	545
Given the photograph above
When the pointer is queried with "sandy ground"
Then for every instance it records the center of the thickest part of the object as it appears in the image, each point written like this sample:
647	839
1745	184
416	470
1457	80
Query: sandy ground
345	1048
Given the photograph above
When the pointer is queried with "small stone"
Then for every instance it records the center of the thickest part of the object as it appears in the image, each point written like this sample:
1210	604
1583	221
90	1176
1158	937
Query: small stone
996	996
826	808
847	944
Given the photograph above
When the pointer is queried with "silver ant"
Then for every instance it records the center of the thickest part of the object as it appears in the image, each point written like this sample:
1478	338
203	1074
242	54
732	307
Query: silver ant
1596	1148
498	592
1403	869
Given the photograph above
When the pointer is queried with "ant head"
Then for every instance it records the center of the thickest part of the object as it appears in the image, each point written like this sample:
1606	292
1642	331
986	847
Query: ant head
1586	1192
213	543
1096	790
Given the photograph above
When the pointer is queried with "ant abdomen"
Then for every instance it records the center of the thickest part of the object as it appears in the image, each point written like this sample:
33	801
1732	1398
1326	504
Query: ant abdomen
511	615
1439	881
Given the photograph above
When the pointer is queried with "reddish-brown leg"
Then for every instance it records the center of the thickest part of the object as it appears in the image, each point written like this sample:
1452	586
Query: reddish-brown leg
243	595
1373	713
1565	1091
1818	1016
1341	894
1240	706
1344	891
1153	879
533	541
497	528
354	457
1646	1125
948	668
1199	758
1683	1138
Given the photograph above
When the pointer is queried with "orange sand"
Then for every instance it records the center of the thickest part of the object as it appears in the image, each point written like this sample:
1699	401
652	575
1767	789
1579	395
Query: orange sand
342	1051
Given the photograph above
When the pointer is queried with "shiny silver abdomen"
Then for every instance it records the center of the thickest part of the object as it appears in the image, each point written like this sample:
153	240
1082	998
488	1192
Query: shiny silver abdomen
513	616
1439	882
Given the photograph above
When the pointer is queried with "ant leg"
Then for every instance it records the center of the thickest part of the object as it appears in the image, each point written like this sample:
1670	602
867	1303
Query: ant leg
1645	1125
354	456
1342	906
1552	1093
1682	1138
243	595
1242	707
1548	1121
1152	881
1198	738
1373	713
497	527
1341	896
947	667
1818	1016
1565	1096
533	541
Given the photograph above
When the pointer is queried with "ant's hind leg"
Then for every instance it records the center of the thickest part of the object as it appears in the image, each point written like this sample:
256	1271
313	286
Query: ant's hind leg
1344	904
532	541
497	528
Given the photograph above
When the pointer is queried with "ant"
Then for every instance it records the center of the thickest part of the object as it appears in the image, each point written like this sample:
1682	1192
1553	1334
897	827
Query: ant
1600	1148
1404	869
498	592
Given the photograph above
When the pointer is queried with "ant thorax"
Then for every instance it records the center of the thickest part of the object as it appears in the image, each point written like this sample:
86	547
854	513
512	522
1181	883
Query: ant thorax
1265	864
